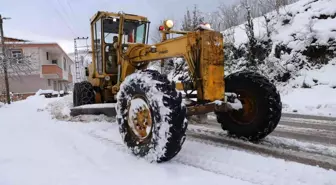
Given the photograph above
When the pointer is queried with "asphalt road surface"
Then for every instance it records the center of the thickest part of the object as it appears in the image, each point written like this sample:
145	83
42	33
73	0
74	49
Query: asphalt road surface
306	139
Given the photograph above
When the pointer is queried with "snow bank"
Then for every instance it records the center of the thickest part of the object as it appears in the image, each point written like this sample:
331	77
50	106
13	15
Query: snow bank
312	92
60	110
294	24
300	54
38	150
47	91
318	100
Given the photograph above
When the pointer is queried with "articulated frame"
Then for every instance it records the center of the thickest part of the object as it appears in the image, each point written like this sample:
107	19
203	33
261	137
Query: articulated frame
203	51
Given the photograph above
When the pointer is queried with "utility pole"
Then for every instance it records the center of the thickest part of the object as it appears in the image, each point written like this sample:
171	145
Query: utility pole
4	58
79	62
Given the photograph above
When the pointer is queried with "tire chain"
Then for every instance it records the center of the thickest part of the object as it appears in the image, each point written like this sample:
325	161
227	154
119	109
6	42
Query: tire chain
86	92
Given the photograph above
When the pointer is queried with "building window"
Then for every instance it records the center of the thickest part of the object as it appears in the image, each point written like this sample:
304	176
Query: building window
47	56
54	62
49	82
64	64
16	53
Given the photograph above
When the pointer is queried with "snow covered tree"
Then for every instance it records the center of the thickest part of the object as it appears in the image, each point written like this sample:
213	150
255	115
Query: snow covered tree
16	63
192	20
249	29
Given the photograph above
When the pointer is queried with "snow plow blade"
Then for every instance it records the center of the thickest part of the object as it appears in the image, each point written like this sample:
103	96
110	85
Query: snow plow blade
94	109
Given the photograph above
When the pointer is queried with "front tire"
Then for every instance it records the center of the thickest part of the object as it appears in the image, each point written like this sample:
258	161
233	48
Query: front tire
156	132
261	106
83	94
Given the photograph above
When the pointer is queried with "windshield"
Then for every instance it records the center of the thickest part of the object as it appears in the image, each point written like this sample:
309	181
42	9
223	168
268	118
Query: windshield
133	32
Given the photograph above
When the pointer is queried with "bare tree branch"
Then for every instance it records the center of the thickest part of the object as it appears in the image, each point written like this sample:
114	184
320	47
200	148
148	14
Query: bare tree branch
18	65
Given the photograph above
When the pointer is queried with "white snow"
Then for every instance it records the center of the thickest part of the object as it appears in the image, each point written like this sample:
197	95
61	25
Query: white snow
236	105
319	99
36	149
98	105
303	26
299	24
204	27
40	91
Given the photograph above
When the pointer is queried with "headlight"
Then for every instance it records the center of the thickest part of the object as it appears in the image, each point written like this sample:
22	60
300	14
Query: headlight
169	23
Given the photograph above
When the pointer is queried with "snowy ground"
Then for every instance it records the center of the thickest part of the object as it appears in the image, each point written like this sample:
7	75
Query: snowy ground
37	149
318	99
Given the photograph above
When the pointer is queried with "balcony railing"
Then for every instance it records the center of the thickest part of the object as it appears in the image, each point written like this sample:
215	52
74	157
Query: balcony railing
52	71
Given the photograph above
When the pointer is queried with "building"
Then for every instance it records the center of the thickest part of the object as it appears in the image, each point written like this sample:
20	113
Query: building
49	67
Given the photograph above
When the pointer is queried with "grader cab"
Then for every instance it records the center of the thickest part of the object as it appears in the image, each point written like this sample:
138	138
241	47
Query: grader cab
150	108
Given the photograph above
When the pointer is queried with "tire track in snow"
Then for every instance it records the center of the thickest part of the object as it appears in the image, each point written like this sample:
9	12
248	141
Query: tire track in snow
270	141
313	158
209	159
299	129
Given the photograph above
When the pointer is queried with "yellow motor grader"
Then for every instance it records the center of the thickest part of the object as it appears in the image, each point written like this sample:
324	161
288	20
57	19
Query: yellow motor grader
150	108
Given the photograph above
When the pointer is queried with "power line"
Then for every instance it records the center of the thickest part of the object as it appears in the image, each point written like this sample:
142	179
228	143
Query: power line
69	6
60	15
65	11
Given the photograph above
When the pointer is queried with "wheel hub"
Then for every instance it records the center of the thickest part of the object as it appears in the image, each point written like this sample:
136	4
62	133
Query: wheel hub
139	118
248	113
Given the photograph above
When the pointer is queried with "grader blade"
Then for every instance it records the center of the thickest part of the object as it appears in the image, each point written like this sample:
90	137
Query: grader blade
94	109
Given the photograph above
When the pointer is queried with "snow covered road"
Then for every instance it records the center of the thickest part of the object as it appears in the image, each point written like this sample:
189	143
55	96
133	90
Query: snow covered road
36	149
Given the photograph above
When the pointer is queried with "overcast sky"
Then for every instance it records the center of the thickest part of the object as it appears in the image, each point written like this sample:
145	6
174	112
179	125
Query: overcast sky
62	20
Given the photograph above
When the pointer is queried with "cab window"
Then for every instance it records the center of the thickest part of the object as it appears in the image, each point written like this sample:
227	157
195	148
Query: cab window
98	46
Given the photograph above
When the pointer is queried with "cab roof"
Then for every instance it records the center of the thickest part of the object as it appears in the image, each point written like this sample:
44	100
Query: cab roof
100	14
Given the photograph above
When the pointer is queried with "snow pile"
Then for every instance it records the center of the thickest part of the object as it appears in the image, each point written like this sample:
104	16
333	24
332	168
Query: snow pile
47	91
312	92
301	35
296	24
1	104
315	101
296	50
59	109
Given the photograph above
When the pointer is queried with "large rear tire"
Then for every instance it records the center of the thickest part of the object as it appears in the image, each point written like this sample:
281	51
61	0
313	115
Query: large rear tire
83	94
261	106
156	131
